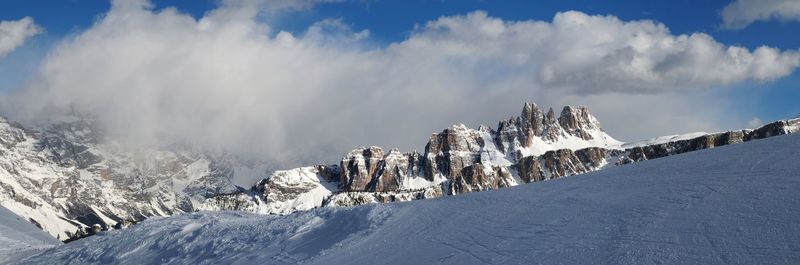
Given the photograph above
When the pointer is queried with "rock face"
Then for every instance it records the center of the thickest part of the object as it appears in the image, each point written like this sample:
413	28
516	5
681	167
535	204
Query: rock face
530	122
578	122
530	170
359	167
478	177
368	169
67	178
640	153
395	170
561	163
451	150
773	129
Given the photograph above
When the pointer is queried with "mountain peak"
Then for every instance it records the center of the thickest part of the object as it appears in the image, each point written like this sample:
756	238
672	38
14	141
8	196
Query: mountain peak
535	132
551	116
529	108
578	121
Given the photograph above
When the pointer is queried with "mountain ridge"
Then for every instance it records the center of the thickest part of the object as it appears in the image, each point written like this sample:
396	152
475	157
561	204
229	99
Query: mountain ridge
65	180
462	160
730	205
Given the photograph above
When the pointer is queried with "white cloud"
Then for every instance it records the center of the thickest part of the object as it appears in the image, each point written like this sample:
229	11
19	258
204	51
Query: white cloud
230	80
755	122
741	13
14	33
596	54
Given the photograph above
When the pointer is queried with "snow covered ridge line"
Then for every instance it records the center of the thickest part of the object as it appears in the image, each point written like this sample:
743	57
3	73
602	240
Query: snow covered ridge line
532	147
456	160
68	177
733	205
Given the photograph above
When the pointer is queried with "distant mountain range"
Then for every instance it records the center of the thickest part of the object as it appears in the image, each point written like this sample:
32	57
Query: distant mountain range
69	177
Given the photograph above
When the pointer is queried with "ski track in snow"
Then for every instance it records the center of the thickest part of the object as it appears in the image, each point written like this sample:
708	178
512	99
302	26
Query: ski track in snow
728	205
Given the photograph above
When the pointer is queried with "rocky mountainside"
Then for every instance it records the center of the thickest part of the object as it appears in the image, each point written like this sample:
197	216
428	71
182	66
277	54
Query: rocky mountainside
535	146
67	178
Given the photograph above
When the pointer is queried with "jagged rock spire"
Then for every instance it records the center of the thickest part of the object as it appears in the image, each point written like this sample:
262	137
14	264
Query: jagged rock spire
577	121
516	134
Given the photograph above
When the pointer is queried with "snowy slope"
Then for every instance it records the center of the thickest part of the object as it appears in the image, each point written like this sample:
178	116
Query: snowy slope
599	138
18	237
728	205
664	139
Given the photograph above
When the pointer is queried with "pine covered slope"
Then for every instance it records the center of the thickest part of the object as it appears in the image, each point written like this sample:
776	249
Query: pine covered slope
729	205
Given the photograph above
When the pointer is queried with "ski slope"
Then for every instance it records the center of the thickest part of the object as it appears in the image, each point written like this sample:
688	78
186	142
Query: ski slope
18	237
734	204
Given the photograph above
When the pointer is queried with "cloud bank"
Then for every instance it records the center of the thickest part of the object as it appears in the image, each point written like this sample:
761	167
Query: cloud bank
230	80
14	33
741	13
596	54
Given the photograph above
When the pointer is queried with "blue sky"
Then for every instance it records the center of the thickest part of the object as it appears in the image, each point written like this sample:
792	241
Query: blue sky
393	22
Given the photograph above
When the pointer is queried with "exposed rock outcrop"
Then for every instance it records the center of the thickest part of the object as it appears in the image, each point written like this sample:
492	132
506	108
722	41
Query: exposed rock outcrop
578	122
359	167
478	177
774	129
452	150
368	169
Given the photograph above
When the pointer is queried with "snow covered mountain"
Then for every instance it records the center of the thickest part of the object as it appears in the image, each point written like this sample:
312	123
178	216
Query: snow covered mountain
729	205
535	146
67	177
